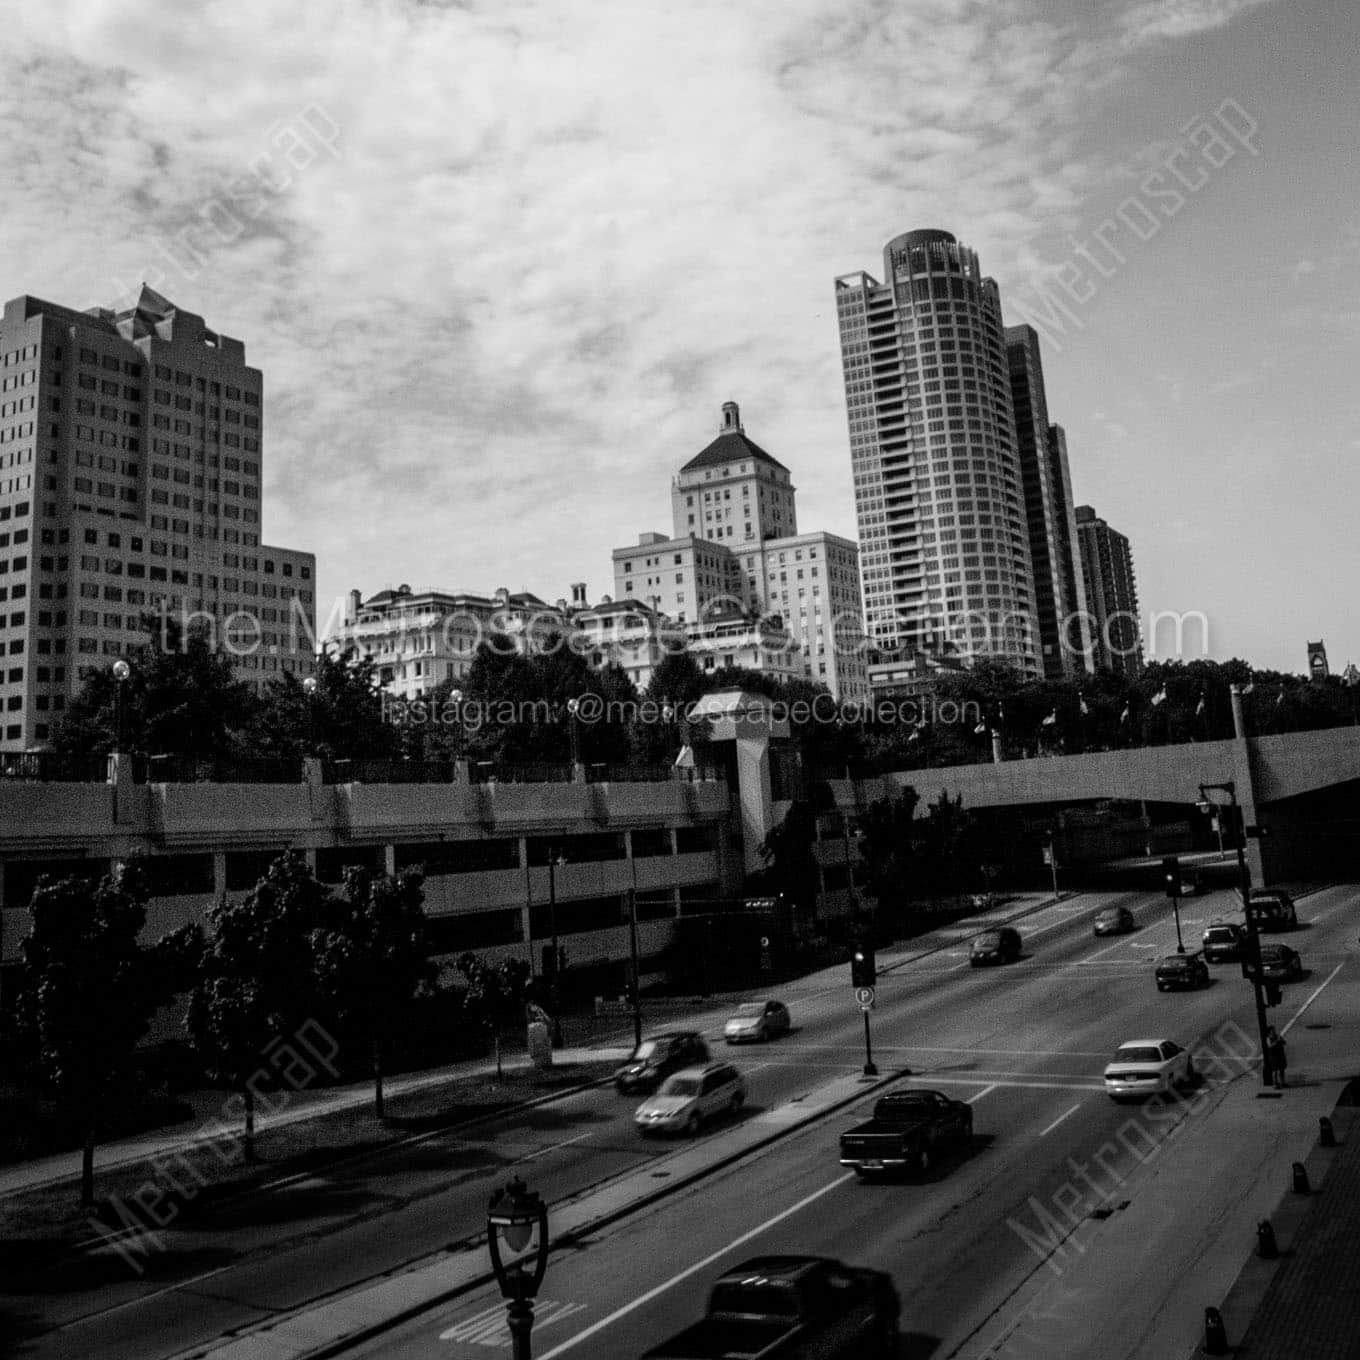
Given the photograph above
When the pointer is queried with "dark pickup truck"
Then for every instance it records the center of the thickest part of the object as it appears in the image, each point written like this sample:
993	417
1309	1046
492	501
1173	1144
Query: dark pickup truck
909	1129
792	1308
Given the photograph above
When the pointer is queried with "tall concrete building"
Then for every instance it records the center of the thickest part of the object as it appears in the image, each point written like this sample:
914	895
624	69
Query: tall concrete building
939	492
1059	594
130	483
1112	595
736	561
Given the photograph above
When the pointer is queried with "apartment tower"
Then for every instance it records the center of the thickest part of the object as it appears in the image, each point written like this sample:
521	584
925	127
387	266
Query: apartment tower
1112	595
944	541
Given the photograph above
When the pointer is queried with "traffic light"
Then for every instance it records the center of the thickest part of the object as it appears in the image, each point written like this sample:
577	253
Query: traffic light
862	972
1273	994
1171	876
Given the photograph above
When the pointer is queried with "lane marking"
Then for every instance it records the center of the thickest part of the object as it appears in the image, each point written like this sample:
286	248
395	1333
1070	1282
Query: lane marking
1109	948
1006	1052
1060	1119
986	1091
1298	1014
543	1152
683	1275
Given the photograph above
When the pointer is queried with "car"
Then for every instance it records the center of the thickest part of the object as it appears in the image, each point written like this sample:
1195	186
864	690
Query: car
1113	921
683	1103
1181	970
1279	963
1223	942
1272	909
1144	1067
658	1056
994	946
757	1021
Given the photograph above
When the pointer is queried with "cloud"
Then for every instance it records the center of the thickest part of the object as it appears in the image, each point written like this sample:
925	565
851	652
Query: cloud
1302	267
1158	20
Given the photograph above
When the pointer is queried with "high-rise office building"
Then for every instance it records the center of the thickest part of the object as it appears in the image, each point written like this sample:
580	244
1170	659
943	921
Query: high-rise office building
1111	594
939	495
1059	596
130	484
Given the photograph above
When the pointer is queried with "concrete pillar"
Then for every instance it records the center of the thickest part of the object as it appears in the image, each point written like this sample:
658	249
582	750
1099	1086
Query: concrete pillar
755	795
219	874
996	747
389	859
1245	783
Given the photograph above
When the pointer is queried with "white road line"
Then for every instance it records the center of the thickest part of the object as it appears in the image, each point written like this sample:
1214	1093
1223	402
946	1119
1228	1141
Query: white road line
1074	1085
660	1289
1091	958
1299	1013
986	1090
1060	1119
543	1152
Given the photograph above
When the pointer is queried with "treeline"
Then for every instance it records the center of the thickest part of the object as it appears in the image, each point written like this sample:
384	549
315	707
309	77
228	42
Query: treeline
293	976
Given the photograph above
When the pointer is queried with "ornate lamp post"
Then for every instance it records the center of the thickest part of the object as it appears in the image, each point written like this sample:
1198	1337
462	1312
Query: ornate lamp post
309	689
456	698
517	1237
121	672
1206	804
573	706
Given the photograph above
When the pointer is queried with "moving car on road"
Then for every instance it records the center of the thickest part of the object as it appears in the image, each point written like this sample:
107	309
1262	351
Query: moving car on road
1113	921
689	1099
908	1129
1279	963
1145	1067
994	946
757	1021
656	1057
1224	942
794	1307
1272	909
1181	970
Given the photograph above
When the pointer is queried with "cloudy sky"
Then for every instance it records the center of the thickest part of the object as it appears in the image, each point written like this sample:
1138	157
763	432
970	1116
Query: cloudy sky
501	263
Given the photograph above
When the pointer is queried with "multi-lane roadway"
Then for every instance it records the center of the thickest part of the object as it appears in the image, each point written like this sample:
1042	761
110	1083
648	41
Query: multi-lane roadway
1024	1044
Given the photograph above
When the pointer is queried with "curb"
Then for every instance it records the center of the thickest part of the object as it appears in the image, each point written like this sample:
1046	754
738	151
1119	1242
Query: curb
371	1331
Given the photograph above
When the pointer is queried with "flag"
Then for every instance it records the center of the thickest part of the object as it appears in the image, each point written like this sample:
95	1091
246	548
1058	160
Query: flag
1051	719
1199	707
1084	709
1279	699
1124	716
1159	697
915	736
1249	686
979	729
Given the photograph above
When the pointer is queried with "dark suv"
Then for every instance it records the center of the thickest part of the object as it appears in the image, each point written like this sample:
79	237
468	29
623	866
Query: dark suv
655	1058
1181	970
1279	963
994	946
1224	942
1272	909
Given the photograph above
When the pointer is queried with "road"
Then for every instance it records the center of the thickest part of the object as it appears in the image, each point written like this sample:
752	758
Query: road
208	1274
1025	1045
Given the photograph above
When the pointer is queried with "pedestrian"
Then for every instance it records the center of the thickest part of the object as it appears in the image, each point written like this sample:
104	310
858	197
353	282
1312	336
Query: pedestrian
1276	1059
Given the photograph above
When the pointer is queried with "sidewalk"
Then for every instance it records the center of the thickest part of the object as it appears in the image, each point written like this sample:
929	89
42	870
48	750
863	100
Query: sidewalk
1306	1304
706	1013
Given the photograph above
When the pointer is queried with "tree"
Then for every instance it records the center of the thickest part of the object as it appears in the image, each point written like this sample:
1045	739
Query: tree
342	718
89	988
373	958
887	846
181	698
495	993
257	978
790	861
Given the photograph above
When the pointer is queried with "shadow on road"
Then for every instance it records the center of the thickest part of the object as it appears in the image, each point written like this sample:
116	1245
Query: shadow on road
59	1271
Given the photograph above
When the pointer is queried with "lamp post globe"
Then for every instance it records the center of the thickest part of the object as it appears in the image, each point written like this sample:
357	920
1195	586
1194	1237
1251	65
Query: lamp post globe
121	673
517	1238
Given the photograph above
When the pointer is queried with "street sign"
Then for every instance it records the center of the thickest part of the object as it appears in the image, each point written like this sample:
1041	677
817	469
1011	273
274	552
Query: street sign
865	997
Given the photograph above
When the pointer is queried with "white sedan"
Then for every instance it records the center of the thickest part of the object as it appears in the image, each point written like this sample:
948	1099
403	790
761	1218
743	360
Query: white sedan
1148	1067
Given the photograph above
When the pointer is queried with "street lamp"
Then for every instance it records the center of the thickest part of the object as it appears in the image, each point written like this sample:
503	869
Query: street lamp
1207	804
573	706
633	950
555	991
456	698
121	672
309	689
517	1237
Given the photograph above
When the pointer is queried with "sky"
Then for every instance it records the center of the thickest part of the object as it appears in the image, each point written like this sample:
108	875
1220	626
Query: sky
501	264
